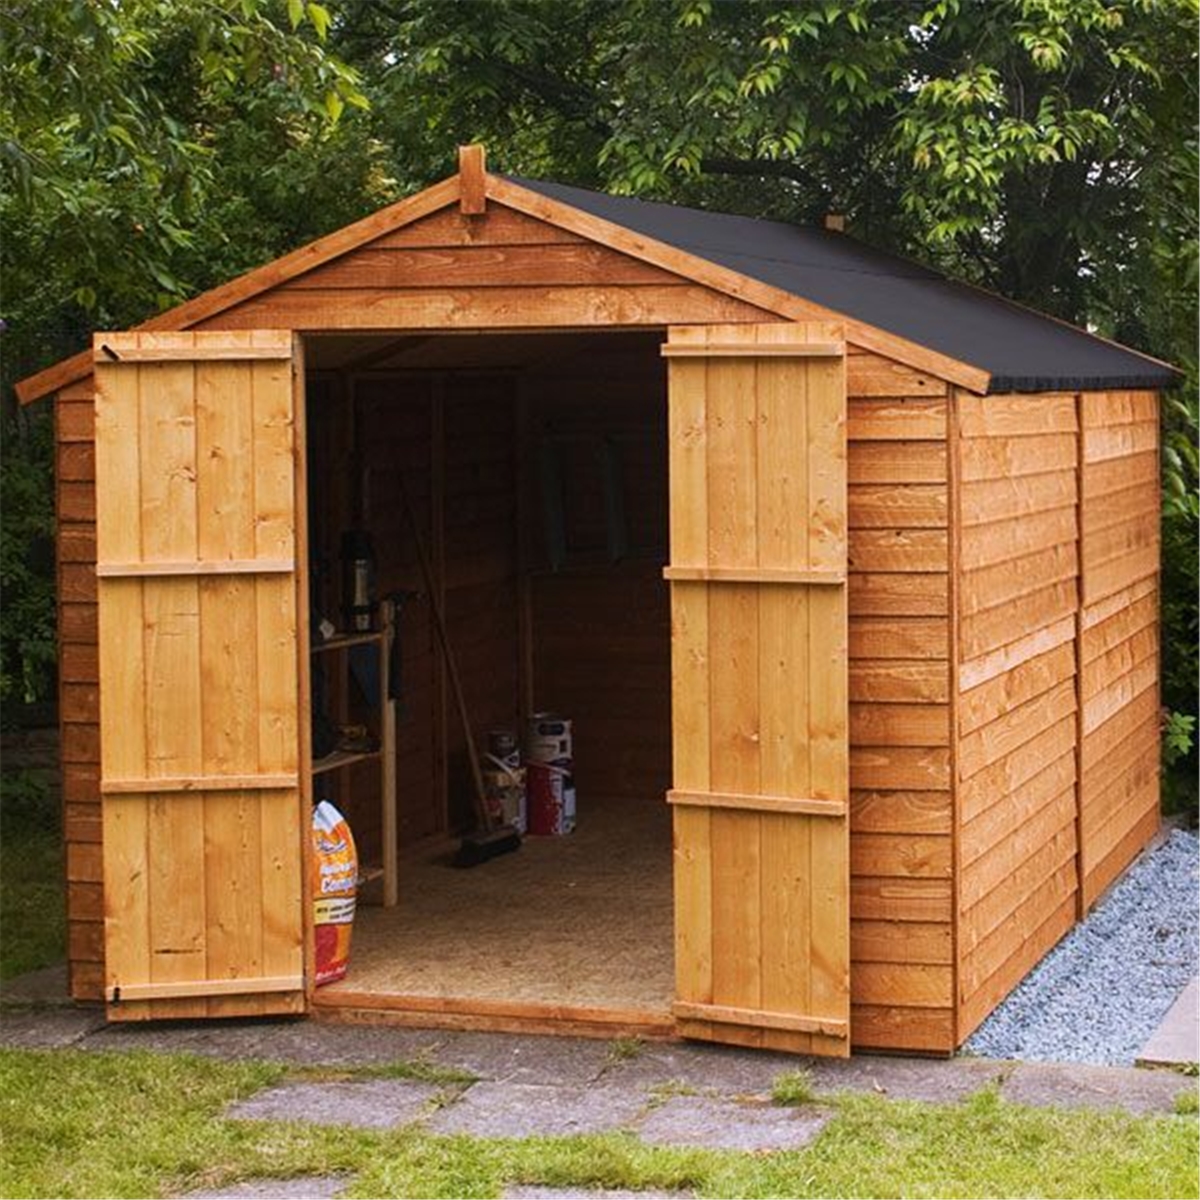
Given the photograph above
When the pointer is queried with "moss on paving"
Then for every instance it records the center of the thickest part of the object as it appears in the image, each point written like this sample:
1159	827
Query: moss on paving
140	1124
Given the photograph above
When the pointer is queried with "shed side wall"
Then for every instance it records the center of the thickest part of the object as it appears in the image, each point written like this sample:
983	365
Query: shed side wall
900	844
79	697
1118	633
1017	528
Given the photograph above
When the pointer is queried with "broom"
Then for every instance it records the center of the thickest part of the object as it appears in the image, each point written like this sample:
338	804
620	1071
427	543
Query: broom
490	838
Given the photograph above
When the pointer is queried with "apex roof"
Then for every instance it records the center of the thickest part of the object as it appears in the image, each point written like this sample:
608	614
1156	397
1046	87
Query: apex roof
897	307
1022	350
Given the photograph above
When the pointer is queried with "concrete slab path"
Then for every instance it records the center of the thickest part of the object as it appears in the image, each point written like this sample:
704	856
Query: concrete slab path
304	1187
714	1123
640	1069
369	1103
1176	1042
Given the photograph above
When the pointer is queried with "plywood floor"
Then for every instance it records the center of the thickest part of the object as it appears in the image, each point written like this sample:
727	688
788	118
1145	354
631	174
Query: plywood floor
581	921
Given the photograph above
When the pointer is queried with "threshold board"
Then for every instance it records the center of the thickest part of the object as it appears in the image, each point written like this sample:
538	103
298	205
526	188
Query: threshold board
422	1012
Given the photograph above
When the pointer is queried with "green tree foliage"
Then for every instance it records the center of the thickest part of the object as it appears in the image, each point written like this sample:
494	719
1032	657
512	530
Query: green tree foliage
1044	148
148	150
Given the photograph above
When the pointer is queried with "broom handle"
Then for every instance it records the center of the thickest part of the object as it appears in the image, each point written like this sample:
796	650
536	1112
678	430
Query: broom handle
481	809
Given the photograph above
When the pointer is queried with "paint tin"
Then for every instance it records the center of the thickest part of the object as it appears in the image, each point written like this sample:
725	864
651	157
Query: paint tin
551	798
548	738
502	743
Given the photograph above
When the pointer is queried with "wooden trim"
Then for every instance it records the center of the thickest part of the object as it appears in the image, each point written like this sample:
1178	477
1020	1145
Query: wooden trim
437	554
345	641
730	282
389	822
756	1018
104	352
345	996
472	199
198	783
953	602
304	793
1077	645
753	350
117	993
419	1012
799	805
751	575
228	566
254	283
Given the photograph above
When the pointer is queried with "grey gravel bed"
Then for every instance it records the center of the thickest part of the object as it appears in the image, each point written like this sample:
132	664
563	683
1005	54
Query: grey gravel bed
1105	988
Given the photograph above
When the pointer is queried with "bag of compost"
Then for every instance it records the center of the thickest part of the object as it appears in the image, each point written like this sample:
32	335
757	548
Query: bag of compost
335	867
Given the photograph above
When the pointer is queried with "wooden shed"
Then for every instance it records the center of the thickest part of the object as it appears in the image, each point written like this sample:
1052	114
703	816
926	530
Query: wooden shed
854	566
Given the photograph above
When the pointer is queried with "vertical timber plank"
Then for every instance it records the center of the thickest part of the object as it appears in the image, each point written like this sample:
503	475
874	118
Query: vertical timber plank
782	477
282	645
168	471
828	727
734	710
229	681
690	686
122	669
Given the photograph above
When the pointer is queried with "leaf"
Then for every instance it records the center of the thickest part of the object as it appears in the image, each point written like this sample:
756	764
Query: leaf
318	14
295	10
334	106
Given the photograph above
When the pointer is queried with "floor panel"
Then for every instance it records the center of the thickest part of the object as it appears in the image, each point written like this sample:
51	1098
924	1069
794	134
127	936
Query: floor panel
581	921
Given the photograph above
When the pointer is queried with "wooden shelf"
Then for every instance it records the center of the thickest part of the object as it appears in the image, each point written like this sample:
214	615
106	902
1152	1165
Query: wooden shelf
343	641
384	755
342	758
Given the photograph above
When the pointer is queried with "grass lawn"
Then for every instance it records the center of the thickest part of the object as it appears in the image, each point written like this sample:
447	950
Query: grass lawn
32	911
84	1124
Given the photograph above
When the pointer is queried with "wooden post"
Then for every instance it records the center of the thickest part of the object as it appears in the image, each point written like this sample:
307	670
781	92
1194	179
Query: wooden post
387	747
472	199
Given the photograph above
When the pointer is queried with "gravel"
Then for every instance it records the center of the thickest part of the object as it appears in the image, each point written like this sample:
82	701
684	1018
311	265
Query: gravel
1105	988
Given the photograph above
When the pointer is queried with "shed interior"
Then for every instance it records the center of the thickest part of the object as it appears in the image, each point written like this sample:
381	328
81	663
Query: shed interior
538	487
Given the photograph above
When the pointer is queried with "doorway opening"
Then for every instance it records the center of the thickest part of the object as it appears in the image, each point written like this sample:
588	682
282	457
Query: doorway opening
531	472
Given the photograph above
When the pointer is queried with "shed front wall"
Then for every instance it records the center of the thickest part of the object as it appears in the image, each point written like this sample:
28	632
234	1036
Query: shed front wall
504	270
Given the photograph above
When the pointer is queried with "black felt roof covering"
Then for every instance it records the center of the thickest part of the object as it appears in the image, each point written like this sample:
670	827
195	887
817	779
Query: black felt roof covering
1023	350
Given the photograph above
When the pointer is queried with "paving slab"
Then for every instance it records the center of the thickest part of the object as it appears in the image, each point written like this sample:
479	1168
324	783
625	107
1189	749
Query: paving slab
539	1192
514	1110
371	1104
945	1081
725	1069
303	1187
520	1058
1176	1042
717	1124
294	1041
47	986
47	1028
1073	1085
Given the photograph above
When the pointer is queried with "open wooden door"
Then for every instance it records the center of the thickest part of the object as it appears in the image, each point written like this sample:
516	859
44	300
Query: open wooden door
199	686
759	685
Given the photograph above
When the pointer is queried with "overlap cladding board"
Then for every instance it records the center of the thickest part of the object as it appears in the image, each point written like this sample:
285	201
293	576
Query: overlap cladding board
198	662
760	685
